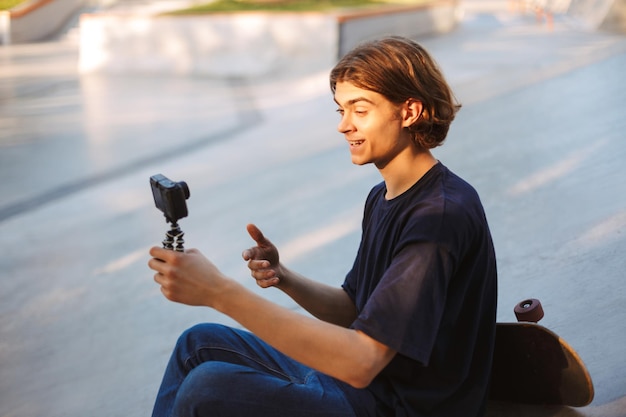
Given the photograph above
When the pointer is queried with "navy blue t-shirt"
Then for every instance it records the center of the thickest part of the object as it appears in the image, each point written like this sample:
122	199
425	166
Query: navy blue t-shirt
424	283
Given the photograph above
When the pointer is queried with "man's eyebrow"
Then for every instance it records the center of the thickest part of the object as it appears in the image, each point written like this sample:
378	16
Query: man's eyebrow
355	100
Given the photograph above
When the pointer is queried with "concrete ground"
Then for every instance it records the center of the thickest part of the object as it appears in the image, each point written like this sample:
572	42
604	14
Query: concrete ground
84	331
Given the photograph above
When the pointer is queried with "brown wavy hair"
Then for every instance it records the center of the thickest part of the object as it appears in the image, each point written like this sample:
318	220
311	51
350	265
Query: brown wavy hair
400	69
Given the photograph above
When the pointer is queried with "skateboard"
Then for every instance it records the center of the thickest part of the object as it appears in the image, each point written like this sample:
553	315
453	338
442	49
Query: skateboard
533	365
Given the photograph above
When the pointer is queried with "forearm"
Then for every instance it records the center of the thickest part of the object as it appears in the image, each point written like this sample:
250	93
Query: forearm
331	349
325	302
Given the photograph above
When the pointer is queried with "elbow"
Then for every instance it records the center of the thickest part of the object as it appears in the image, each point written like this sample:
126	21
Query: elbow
359	383
363	365
361	377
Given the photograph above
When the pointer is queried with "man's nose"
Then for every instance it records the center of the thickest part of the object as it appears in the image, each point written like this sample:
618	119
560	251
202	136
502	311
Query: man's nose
344	125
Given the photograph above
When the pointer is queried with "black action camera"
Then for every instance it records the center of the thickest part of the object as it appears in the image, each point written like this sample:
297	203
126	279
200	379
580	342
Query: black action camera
169	197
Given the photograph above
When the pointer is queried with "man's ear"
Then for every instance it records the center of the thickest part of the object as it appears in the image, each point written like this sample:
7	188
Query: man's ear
412	112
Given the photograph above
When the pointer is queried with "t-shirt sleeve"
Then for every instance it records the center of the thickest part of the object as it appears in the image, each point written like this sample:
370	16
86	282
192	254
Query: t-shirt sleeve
405	310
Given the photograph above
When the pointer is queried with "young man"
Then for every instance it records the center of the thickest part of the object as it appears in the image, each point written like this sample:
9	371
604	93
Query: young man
411	330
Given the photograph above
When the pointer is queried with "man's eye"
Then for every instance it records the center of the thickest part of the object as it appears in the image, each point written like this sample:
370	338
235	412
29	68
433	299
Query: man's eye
340	111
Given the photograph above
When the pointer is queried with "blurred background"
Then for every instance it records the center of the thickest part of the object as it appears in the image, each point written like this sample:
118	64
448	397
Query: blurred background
95	97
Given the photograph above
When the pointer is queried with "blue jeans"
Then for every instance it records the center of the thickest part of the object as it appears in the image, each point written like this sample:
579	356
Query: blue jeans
220	371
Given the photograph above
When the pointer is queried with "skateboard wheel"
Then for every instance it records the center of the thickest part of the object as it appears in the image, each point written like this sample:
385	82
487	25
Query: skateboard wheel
529	310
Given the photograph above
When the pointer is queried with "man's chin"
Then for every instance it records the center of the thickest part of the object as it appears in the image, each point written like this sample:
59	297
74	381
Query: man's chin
359	161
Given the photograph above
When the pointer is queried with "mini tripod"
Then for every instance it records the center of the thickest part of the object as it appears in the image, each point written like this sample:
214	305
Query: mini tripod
169	197
174	236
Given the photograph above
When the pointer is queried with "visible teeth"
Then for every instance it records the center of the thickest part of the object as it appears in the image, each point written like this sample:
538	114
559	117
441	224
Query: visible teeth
356	142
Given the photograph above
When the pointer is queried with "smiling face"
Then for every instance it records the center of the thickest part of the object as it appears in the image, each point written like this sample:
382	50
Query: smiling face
373	126
402	70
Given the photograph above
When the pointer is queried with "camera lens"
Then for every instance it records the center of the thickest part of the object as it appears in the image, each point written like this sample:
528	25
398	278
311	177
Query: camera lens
185	188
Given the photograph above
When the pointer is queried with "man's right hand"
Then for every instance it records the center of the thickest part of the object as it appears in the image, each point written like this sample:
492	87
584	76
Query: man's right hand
263	259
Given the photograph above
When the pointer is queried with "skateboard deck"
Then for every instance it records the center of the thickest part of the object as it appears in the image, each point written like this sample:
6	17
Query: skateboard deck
533	365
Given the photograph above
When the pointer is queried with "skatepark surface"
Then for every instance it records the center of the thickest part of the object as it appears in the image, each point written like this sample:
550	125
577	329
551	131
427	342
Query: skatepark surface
84	330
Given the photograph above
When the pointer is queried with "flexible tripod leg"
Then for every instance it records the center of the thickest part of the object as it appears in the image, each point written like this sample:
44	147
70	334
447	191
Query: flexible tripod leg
174	236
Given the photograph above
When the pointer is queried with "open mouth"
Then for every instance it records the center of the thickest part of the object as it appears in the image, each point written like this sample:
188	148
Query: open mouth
355	142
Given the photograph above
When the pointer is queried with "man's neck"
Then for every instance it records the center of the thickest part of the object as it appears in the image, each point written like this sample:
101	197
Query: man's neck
405	171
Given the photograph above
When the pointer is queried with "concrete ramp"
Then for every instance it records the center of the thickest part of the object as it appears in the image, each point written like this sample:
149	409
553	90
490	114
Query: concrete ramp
599	14
38	20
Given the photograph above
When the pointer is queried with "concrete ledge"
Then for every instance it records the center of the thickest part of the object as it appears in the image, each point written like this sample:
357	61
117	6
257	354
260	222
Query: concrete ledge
607	15
244	44
36	20
410	21
216	45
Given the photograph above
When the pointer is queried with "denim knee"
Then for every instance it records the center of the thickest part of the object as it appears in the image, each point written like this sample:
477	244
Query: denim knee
201	335
206	383
203	331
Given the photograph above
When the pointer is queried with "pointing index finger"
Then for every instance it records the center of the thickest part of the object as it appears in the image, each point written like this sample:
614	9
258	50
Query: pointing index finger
256	234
